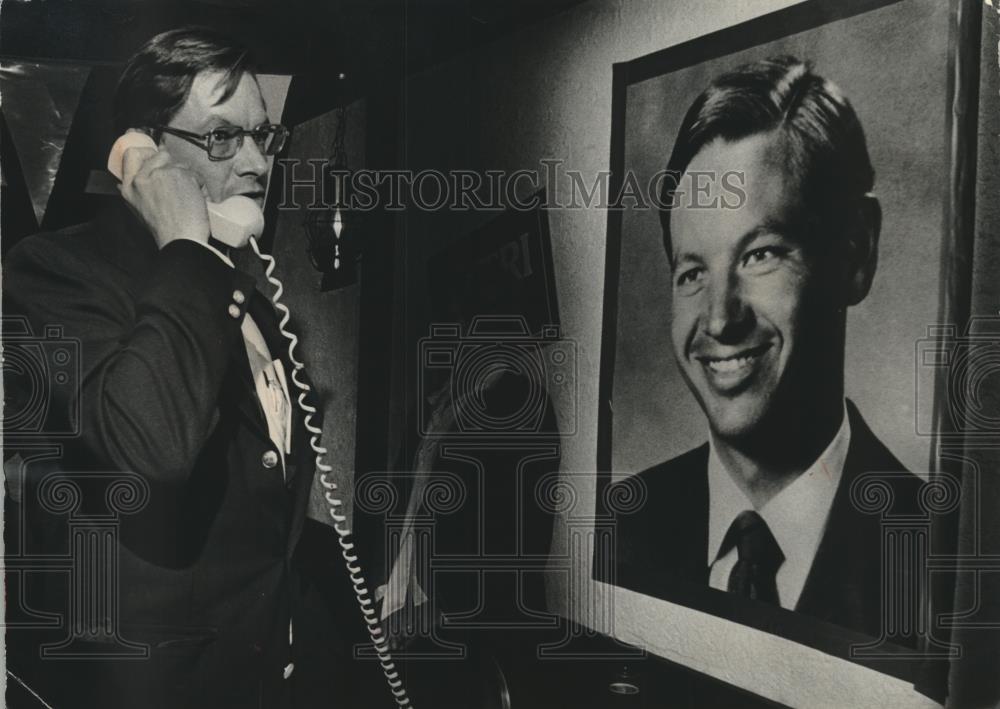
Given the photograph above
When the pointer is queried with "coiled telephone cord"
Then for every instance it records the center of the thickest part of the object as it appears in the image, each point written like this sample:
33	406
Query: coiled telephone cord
361	591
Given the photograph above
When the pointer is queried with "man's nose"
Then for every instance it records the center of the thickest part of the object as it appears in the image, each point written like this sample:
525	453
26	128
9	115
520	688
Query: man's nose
727	315
251	160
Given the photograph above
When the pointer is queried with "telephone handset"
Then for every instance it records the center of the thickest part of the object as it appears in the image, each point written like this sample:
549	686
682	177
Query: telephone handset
236	222
232	221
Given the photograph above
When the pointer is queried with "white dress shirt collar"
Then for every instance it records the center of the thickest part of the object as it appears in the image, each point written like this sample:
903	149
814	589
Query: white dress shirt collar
228	261
796	516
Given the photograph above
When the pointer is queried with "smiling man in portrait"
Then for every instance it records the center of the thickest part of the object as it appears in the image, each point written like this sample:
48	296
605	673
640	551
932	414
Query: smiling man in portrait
760	296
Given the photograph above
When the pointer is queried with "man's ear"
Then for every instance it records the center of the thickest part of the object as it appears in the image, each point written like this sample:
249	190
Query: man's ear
862	249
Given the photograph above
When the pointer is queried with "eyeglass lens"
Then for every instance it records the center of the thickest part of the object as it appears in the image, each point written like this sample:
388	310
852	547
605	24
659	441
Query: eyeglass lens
269	141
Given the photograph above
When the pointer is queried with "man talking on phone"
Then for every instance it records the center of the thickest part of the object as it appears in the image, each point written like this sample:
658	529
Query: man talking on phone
185	383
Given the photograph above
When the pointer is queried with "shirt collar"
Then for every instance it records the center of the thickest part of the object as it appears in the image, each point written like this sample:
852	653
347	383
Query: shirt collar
210	246
796	516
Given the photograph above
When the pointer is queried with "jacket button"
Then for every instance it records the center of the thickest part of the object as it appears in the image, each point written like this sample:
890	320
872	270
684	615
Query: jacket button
234	312
238	297
269	459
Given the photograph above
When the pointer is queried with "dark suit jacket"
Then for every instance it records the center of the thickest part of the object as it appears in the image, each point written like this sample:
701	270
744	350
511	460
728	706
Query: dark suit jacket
665	541
207	578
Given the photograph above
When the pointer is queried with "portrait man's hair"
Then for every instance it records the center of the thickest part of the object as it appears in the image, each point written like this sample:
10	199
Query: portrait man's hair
824	144
157	79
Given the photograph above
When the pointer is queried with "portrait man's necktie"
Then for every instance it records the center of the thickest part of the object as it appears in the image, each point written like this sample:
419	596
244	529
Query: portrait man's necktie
760	557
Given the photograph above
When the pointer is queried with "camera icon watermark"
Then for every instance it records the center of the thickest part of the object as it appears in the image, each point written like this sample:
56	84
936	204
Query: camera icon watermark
88	506
965	364
42	378
496	380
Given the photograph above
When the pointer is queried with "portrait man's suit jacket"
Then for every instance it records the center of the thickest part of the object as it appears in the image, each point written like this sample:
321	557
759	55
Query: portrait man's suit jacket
666	539
208	573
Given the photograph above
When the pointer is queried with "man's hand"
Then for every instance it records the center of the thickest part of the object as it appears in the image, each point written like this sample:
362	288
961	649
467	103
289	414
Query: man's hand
166	195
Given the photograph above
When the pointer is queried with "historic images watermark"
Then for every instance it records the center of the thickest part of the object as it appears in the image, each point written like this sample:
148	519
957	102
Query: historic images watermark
38	369
965	360
42	380
468	527
458	368
419	511
309	184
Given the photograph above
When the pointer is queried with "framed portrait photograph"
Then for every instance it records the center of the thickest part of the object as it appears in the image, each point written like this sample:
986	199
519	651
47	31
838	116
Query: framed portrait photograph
789	228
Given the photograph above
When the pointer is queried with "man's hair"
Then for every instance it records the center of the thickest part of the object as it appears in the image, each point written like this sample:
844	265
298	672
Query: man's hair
825	145
157	79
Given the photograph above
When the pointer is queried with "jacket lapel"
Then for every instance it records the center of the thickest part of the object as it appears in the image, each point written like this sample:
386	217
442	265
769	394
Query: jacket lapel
845	581
264	485
664	544
267	322
300	464
261	310
239	388
687	550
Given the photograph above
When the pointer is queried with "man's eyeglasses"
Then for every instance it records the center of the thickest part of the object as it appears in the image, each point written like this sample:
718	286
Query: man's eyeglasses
224	143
